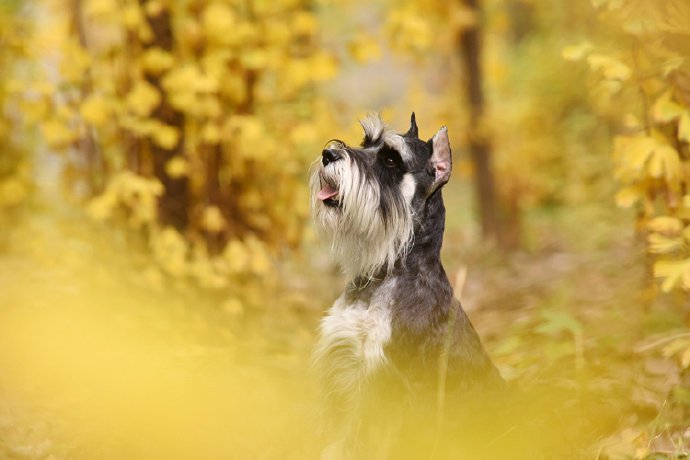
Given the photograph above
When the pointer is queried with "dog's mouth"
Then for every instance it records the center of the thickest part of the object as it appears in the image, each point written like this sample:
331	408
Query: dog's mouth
329	195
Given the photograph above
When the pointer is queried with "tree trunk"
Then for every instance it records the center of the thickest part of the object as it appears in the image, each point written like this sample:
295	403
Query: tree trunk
173	204
470	48
480	149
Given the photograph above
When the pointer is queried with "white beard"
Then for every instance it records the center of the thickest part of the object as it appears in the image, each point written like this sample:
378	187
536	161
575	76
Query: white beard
361	240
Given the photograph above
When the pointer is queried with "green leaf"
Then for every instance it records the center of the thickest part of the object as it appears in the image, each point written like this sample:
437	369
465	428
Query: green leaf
558	321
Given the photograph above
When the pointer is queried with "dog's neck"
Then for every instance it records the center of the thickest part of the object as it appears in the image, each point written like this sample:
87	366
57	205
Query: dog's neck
422	264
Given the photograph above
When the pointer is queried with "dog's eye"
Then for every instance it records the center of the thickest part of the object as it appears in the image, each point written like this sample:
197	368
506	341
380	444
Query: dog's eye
389	161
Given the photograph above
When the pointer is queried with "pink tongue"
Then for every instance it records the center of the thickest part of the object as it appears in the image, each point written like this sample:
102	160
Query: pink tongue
326	193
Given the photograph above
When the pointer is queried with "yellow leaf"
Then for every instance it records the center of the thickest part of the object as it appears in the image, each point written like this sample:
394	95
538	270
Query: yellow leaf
671	271
611	68
12	192
154	7
171	250
665	162
211	133
235	253
576	52
684	127
255	59
177	167
100	7
323	67
57	133
627	197
218	21
132	17
304	133
659	244
634	151
364	48
165	136
143	98
665	224
261	264
212	219
34	110
304	23
94	110
665	109
156	60
685	358
75	61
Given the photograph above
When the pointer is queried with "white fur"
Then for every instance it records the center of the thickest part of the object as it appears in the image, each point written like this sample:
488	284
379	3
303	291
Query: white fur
408	187
349	352
352	341
373	126
351	346
360	240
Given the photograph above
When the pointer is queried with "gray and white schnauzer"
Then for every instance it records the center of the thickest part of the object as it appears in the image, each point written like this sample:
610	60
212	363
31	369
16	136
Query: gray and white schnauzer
397	330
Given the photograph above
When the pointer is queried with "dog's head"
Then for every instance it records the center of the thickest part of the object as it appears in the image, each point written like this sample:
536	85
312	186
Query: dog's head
368	200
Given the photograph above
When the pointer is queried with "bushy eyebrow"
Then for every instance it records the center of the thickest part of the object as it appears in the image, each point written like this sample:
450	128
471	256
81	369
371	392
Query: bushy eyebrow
397	143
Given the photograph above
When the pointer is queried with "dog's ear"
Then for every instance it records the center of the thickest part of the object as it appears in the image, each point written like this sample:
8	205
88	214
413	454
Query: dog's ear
440	162
413	131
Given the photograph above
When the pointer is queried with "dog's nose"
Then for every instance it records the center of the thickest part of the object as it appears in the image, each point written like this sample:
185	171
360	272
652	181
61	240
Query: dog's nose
329	156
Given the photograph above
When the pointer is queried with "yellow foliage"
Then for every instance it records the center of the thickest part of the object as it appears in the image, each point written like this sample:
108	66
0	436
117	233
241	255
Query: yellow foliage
13	192
666	225
684	127
218	22
75	61
217	76
143	98
237	256
34	109
211	133
171	251
155	60
101	7
212	219
576	52
627	197
304	23
135	196
673	272
132	17
364	48
665	109
611	68
177	167
165	136
57	133
95	111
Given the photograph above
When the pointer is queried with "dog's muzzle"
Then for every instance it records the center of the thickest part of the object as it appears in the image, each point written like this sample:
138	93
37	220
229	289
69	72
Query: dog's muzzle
329	194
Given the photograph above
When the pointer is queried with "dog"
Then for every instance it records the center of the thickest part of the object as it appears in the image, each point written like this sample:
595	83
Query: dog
397	334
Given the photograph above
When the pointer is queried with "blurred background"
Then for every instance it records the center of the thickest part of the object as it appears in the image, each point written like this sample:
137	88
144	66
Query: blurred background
160	284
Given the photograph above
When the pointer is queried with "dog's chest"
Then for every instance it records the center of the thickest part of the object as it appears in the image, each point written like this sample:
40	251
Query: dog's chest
351	346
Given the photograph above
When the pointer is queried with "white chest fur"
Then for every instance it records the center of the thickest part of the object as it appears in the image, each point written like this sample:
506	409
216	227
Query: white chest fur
351	345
